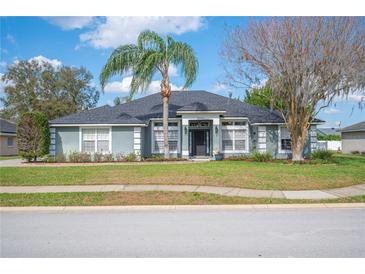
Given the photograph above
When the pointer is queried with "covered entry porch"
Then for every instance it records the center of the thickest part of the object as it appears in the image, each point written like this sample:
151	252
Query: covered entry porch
200	135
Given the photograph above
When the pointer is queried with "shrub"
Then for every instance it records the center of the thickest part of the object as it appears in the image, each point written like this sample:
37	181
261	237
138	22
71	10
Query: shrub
60	158
108	157
322	154
33	135
355	152
79	157
98	157
331	137
119	157
238	158
131	157
258	156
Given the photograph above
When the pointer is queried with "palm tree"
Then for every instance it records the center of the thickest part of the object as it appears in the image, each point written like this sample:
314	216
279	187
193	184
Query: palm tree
152	54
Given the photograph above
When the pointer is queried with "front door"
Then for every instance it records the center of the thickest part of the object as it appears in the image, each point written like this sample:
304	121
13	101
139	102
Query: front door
199	142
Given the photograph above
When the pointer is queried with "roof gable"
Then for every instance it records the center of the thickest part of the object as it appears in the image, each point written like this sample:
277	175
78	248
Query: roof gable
355	127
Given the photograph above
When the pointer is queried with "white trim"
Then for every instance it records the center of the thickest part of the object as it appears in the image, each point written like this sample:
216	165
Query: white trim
7	134
234	118
274	124
98	125
178	127
200	112
96	141
353	130
235	127
170	119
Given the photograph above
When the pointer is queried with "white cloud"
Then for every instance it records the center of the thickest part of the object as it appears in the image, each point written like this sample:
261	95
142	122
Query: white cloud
217	87
115	31
70	22
3	64
10	38
172	70
2	84
41	60
124	86
331	110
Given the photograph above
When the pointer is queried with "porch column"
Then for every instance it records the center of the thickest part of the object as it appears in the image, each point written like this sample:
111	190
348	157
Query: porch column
185	138
216	135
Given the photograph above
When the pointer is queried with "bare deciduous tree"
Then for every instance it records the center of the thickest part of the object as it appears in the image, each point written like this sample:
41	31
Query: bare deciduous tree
308	62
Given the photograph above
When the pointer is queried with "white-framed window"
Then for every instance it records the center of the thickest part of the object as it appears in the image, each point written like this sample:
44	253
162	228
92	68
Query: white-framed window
173	136
284	140
10	141
95	140
234	136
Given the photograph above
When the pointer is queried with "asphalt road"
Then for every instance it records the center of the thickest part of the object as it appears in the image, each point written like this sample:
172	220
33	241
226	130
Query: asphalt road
324	232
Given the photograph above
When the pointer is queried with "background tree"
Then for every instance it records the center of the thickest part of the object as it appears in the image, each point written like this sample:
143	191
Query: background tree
33	135
263	97
308	62
152	55
33	86
120	100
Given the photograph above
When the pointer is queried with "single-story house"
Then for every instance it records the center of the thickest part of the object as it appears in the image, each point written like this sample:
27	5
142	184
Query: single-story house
353	138
201	124
8	145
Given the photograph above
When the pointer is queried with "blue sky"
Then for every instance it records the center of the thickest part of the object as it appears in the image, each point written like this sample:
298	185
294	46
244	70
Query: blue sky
88	42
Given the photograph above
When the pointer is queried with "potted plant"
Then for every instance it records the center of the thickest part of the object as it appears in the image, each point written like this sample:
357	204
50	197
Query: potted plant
217	155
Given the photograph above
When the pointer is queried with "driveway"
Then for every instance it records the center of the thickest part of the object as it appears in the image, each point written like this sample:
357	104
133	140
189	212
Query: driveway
11	162
301	232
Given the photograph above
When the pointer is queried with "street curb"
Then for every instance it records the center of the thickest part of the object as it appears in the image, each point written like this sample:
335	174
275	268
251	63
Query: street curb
178	207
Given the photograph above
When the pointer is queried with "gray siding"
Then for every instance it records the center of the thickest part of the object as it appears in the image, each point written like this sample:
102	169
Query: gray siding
353	141
122	140
272	141
67	140
147	141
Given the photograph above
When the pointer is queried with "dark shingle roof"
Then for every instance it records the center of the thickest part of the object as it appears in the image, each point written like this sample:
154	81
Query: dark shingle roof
7	126
356	127
141	110
328	131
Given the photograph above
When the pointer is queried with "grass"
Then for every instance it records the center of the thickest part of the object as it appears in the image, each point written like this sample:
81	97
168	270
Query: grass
348	170
146	198
2	158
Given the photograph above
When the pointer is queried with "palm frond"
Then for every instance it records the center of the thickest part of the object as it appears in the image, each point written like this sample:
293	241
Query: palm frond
182	54
122	60
144	70
150	40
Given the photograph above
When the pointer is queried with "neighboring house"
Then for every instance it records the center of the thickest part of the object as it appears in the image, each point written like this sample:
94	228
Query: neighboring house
200	124
7	138
328	131
353	138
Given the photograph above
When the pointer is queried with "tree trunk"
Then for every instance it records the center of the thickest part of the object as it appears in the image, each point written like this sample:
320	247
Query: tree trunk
166	127
297	150
165	93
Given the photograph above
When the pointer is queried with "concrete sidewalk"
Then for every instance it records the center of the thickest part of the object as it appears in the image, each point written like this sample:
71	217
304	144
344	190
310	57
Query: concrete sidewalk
225	191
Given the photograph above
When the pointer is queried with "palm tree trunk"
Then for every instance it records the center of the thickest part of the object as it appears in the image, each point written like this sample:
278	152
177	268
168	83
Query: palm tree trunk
165	115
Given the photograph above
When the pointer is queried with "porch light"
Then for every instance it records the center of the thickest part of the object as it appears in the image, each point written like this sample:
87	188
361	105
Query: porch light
216	129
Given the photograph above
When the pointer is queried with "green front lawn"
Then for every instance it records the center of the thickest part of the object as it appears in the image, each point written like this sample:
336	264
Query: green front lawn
347	171
146	198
